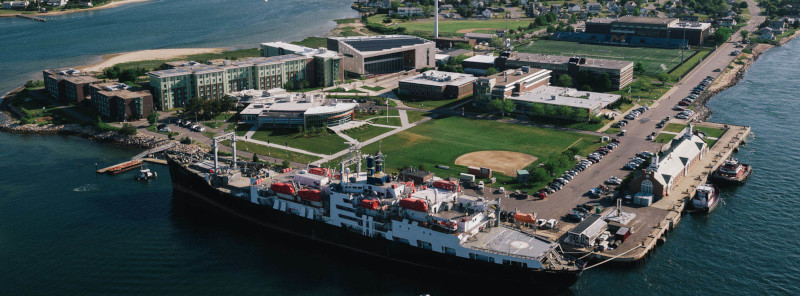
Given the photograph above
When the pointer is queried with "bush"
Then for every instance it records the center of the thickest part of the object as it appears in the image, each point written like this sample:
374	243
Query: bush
128	129
152	118
255	157
186	141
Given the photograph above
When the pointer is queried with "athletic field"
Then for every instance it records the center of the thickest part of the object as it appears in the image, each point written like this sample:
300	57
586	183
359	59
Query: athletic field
654	59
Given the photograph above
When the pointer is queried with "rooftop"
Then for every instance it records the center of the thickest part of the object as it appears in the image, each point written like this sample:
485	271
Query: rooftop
220	65
440	78
567	97
122	90
481	59
555	59
380	42
297	103
302	50
646	20
512	76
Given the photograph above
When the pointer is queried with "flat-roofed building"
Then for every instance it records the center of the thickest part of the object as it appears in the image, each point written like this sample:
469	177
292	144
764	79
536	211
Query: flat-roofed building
68	84
172	88
119	102
437	85
586	102
304	109
619	72
450	42
507	83
367	55
478	64
693	32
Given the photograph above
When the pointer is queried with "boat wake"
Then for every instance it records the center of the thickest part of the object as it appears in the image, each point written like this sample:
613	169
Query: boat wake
86	188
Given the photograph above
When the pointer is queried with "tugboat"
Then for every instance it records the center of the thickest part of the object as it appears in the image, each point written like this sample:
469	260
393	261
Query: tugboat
732	172
146	174
706	199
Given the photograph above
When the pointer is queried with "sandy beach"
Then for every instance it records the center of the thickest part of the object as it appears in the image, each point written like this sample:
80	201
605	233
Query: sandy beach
109	5
143	55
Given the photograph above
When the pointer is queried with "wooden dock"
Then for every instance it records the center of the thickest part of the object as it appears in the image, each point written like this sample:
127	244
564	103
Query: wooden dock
150	160
30	17
672	206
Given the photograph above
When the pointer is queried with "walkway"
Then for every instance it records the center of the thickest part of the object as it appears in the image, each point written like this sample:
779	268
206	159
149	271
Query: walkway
284	147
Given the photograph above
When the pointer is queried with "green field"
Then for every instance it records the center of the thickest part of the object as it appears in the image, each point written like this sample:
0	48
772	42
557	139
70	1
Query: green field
453	26
323	144
393	121
272	151
674	127
442	140
664	138
414	116
710	131
313	42
366	132
651	58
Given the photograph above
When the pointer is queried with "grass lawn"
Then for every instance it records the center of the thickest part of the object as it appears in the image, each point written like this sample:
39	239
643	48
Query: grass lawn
710	142
380	113
674	127
453	26
429	104
271	151
644	88
612	131
664	138
414	116
375	88
710	131
684	68
346	21
313	42
393	121
652	58
442	140
323	144
366	132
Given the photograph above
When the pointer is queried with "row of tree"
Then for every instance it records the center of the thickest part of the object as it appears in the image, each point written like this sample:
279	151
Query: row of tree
207	109
124	75
554	165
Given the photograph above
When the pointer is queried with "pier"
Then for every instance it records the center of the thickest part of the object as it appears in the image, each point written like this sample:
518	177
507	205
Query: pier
652	223
34	18
150	160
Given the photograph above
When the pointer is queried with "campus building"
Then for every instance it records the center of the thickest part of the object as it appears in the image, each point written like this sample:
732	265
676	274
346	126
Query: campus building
665	171
172	88
619	72
68	84
119	102
437	85
507	83
292	110
450	42
368	55
325	65
649	27
584	102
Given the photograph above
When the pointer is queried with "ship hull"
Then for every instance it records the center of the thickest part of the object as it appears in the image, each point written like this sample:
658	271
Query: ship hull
192	189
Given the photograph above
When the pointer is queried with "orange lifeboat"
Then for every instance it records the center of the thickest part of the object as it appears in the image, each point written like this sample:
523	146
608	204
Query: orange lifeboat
370	204
414	204
311	195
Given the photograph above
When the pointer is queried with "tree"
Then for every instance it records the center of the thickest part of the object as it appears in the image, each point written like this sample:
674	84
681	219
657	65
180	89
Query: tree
638	68
744	33
186	140
743	5
509	106
565	80
193	107
496	105
255	157
152	118
604	82
491	71
663	77
496	42
721	35
286	163
128	129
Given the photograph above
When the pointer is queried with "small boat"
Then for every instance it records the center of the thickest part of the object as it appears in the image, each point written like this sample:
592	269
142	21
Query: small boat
732	172
706	198
146	174
125	166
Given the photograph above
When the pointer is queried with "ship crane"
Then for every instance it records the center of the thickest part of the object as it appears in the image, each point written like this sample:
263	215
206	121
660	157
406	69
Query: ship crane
214	144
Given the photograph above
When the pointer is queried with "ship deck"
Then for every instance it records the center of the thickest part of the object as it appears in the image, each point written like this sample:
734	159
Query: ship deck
509	241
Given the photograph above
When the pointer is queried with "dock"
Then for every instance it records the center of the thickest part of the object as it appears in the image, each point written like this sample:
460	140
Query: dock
34	18
664	215
150	160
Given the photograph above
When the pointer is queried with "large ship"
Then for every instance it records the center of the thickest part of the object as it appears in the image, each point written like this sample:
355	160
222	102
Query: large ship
432	225
732	172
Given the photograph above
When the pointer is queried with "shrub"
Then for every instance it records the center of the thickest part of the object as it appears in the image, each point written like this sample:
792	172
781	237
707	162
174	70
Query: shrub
186	141
128	129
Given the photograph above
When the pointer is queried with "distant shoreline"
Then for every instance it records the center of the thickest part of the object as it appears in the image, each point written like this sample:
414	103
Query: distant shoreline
109	5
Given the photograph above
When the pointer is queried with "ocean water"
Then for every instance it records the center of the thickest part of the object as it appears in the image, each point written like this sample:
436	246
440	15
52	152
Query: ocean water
65	230
27	47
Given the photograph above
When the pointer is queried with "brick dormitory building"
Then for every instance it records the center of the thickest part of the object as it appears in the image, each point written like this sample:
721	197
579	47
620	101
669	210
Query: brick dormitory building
112	100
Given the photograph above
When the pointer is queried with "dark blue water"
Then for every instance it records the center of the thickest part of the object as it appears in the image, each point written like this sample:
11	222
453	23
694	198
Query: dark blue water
27	47
65	230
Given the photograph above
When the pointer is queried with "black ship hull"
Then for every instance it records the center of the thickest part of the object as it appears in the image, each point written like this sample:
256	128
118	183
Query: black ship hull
193	189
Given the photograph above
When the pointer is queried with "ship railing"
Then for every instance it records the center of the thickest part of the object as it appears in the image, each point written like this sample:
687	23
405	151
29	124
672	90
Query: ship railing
505	253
